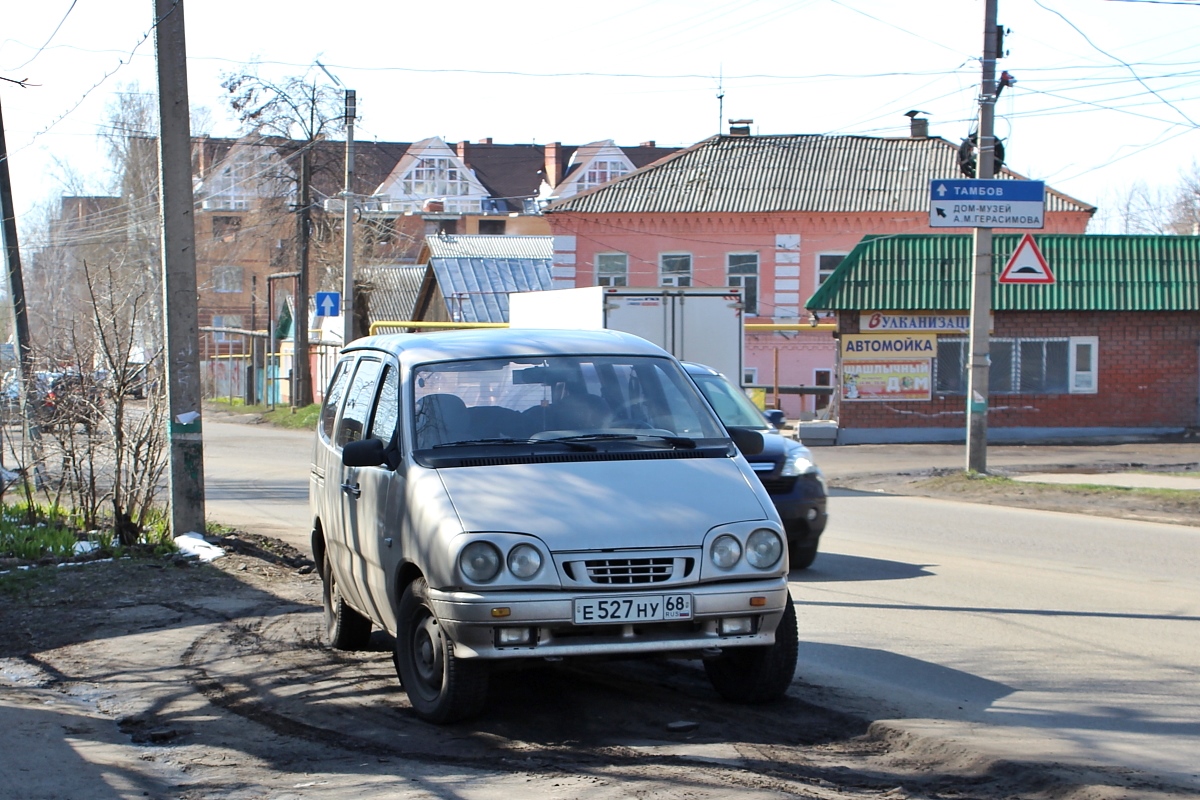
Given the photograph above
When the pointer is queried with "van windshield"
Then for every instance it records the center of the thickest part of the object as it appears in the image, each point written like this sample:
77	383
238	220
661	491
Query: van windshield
599	398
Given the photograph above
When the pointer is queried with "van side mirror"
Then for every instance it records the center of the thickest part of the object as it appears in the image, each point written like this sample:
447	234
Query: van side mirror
748	440
775	416
364	453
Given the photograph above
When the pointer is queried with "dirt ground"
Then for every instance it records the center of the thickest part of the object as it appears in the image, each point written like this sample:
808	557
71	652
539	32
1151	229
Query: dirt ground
1176	507
170	679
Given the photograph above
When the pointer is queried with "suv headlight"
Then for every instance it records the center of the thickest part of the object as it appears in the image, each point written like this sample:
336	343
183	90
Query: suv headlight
799	461
763	548
479	561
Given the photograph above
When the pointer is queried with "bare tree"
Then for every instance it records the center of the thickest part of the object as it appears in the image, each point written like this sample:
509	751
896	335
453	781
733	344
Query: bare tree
295	108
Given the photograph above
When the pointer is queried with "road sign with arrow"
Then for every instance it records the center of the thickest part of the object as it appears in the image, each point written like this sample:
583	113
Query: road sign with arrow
329	304
989	203
1026	265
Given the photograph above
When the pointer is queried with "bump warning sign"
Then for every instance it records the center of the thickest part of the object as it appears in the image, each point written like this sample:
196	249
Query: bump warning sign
1027	265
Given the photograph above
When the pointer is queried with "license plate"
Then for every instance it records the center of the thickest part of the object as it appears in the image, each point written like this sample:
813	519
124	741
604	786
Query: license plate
652	608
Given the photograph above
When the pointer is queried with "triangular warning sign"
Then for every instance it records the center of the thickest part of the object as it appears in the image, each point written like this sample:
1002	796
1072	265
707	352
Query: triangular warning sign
1027	265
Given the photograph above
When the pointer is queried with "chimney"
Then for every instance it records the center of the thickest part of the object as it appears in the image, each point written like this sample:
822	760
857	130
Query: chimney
554	165
487	140
463	148
648	144
918	127
740	127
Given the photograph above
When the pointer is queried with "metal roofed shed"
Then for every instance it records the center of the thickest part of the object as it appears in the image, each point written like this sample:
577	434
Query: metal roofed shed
1092	273
469	278
1111	348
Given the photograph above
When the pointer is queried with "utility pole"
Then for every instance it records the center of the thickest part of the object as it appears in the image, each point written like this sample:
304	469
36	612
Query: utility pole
16	290
184	435
981	277
348	307
301	385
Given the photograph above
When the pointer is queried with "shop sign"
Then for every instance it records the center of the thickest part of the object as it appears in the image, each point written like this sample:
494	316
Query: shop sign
888	380
889	345
935	321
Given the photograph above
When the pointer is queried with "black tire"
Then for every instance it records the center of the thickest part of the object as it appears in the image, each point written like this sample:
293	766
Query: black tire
441	687
753	675
802	557
345	628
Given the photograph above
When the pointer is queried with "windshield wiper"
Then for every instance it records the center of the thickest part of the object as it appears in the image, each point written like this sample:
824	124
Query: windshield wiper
500	440
682	442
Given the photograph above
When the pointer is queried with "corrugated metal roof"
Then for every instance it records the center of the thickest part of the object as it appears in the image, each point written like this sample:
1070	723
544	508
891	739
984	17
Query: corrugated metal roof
393	290
476	289
746	174
482	246
932	272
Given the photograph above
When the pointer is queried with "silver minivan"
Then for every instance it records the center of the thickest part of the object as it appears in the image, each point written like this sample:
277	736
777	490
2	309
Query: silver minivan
494	495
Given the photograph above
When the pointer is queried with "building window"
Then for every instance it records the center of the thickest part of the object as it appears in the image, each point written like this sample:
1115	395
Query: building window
227	279
491	227
1021	366
225	229
612	269
226	321
435	226
749	376
602	171
676	269
826	264
742	272
435	176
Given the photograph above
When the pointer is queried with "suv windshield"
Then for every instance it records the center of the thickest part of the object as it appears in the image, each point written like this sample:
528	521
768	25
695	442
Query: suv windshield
730	403
508	400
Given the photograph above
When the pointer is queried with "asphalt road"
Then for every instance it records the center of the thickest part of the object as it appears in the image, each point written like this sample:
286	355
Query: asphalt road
1034	635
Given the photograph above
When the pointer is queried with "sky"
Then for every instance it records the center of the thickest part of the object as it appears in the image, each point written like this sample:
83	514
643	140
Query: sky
1107	91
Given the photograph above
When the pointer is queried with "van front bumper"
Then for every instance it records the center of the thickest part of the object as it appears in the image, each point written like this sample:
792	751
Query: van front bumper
473	621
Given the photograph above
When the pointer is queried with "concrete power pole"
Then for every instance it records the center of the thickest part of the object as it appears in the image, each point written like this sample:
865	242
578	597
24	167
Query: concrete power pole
981	277
348	307
186	470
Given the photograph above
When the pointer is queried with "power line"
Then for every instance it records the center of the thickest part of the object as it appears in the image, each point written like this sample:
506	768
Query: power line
52	35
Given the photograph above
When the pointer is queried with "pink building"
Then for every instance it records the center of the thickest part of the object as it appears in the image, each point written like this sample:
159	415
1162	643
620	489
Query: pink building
773	215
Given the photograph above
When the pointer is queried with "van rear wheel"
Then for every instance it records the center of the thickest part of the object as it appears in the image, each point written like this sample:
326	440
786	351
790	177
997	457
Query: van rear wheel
345	628
441	687
753	675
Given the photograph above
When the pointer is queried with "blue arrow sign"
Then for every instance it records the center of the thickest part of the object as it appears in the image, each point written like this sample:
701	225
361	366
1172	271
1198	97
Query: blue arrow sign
1012	191
987	204
329	304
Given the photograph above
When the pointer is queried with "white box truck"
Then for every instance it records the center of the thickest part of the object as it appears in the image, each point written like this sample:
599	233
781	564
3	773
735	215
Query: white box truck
692	324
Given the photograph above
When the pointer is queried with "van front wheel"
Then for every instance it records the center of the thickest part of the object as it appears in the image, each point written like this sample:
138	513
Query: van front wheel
754	675
441	687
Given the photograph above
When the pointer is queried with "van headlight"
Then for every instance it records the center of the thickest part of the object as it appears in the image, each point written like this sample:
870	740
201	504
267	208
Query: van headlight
524	561
763	548
479	561
725	551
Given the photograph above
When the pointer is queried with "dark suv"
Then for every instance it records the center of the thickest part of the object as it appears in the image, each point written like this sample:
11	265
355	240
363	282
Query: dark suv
785	466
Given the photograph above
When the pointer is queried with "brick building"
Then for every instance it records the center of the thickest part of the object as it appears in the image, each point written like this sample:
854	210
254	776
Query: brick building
1111	347
773	215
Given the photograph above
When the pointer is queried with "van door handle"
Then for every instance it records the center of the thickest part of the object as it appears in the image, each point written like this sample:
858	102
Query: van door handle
351	489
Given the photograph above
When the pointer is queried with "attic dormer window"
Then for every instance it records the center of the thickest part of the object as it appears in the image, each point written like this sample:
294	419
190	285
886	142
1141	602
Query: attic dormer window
602	171
436	176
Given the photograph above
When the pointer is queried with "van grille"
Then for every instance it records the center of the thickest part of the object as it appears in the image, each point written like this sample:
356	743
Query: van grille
597	569
623	571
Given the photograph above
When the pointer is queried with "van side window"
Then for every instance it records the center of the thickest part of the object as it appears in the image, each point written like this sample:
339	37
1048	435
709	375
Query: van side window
387	407
359	400
333	398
